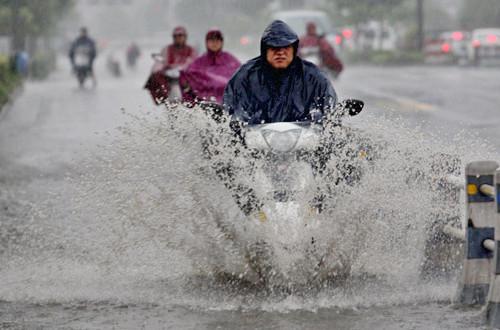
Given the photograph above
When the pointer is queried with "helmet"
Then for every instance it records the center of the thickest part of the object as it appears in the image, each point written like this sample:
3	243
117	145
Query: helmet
179	30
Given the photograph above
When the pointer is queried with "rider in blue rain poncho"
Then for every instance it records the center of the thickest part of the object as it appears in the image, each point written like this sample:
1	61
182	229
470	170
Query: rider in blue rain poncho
278	86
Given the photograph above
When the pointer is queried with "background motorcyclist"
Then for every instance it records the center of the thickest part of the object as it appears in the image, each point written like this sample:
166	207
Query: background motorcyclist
177	55
278	86
314	42
133	53
113	65
208	75
86	46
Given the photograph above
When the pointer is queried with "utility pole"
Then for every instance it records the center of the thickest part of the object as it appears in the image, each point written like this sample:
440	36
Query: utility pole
15	33
420	25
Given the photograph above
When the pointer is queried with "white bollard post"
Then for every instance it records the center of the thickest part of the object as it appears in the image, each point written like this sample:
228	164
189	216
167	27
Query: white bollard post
493	305
480	224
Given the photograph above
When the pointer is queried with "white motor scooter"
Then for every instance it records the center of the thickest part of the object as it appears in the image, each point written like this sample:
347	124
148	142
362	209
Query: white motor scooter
283	179
171	74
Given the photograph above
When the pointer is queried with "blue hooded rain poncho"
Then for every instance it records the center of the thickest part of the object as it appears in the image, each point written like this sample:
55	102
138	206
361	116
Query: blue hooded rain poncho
258	93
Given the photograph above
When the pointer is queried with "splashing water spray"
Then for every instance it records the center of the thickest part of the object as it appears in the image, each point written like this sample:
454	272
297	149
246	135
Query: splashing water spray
149	217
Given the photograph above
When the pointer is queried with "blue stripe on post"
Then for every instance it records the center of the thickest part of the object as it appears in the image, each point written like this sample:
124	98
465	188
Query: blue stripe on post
497	265
475	239
498	198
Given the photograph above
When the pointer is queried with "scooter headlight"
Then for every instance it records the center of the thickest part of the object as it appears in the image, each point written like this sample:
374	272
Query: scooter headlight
173	73
282	142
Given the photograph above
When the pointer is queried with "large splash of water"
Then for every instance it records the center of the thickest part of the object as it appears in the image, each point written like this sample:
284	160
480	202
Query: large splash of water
139	219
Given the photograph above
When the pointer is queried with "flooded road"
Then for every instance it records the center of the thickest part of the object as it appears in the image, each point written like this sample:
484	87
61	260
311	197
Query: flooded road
109	316
439	98
105	220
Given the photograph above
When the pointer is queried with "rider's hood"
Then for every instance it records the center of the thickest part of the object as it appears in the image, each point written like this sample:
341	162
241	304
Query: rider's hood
278	34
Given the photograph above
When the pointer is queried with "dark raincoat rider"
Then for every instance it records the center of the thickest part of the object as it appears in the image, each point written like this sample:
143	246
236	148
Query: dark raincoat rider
278	86
86	45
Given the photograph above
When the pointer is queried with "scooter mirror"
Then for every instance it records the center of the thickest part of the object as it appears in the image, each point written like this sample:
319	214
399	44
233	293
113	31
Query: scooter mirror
353	107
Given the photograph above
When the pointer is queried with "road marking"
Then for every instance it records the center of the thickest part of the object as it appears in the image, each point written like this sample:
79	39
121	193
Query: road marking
390	102
405	104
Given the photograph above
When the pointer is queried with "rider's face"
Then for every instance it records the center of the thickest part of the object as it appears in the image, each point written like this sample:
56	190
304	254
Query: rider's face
214	45
311	30
180	39
280	58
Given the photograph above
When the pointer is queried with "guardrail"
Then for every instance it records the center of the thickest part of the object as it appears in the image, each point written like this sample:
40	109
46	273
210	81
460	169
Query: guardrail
480	283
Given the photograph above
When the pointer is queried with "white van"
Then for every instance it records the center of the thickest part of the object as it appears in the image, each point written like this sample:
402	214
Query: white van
298	19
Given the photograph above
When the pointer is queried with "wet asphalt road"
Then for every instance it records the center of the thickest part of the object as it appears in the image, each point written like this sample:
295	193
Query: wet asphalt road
446	98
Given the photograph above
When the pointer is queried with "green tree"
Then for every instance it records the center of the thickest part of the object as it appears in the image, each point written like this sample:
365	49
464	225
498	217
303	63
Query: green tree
234	17
361	11
30	18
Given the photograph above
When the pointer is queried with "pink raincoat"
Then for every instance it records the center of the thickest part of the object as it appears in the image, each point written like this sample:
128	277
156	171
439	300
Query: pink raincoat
207	77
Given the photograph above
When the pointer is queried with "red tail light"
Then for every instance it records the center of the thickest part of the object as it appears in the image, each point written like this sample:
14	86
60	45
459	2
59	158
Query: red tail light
476	43
338	40
492	38
244	41
445	48
457	36
347	33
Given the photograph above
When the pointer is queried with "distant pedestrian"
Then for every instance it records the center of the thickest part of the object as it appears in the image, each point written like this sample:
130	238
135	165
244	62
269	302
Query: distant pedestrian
22	63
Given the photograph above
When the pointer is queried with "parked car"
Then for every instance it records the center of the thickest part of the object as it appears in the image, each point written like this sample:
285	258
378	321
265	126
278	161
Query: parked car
447	48
374	35
485	46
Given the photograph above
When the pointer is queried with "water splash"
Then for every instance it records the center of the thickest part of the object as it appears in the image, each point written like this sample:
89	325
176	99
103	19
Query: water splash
139	220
